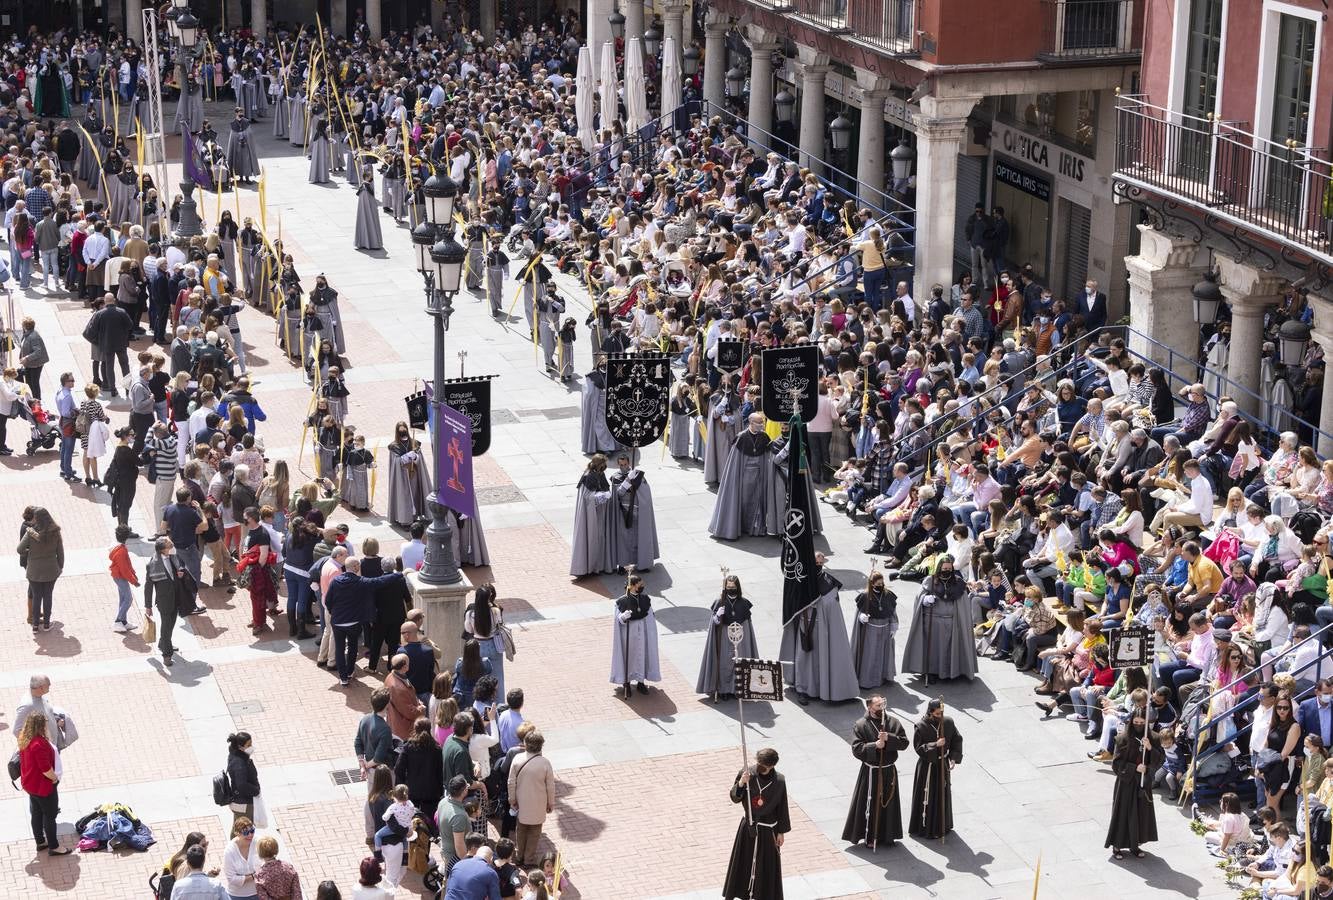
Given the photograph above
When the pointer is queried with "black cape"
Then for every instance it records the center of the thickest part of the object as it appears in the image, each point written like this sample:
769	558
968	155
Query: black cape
932	789
755	843
876	814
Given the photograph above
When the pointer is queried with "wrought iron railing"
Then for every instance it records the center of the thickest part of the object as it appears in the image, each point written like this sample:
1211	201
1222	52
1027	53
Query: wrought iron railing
831	14
1281	191
888	25
1088	29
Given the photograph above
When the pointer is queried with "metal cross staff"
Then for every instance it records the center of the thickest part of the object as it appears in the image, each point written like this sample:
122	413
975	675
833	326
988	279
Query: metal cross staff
717	643
462	363
624	649
735	634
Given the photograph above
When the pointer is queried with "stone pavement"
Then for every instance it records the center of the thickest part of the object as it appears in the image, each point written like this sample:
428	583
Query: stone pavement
643	783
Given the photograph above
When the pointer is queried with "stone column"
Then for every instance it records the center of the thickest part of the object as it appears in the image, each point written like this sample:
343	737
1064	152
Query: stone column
715	60
1324	442
338	17
870	150
1160	302
599	28
444	605
374	21
760	115
1250	292
633	10
673	22
814	67
490	12
134	22
939	128
259	18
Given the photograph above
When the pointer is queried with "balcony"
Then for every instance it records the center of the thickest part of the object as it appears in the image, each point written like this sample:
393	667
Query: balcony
1089	31
828	14
1230	178
889	26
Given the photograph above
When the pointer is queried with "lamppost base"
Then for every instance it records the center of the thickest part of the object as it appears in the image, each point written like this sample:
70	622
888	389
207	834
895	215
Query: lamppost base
444	606
188	224
440	567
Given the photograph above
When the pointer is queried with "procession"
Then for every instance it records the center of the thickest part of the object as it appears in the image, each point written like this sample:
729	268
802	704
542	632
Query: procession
714	477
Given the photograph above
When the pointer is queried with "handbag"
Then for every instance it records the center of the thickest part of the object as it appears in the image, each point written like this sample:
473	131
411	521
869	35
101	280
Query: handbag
506	639
149	630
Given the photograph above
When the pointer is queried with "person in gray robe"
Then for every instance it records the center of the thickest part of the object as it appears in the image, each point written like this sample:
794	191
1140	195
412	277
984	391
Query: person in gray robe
469	540
335	393
497	270
319	153
476	256
633	524
717	671
777	486
123	189
289	323
872	633
241	157
550	307
281	113
815	641
328	442
681	424
595	433
190	108
253	255
723	408
355	485
368	235
939	643
296	129
324	301
409	478
592	531
355	176
744	503
634	640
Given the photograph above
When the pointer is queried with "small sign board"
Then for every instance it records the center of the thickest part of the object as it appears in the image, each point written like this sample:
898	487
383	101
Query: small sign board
1131	647
759	679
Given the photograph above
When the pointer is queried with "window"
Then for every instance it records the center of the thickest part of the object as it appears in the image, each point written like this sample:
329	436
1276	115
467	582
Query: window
1068	118
1292	82
1204	49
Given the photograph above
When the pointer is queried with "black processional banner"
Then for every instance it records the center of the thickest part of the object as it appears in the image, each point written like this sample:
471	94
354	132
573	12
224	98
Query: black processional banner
800	574
638	396
791	382
418	409
730	354
472	398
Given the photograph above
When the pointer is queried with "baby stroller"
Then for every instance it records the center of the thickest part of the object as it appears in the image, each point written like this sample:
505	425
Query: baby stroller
45	432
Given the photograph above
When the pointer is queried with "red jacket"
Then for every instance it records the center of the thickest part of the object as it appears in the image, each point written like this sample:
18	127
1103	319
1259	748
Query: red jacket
121	567
35	760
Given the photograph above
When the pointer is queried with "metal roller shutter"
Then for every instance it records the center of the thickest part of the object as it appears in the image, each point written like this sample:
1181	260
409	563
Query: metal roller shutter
1075	234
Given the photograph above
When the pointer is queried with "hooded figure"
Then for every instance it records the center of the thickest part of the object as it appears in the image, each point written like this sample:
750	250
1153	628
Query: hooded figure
744	503
409	479
596	434
717	671
872	633
940	644
319	153
1133	819
681	427
357	464
592	511
368	235
634	640
876	815
324	304
241	157
469	540
497	269
632	523
816	642
723	414
282	110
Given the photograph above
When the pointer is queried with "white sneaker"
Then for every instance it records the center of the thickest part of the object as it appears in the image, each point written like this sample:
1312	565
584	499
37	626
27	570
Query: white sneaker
120	626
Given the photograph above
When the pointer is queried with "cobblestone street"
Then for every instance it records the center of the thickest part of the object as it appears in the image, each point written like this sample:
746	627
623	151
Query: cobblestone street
642	805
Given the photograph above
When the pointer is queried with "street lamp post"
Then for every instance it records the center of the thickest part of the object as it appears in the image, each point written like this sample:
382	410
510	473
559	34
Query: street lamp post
441	268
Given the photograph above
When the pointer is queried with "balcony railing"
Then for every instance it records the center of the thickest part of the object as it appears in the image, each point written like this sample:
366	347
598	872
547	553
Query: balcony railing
831	14
1283	192
887	25
1091	30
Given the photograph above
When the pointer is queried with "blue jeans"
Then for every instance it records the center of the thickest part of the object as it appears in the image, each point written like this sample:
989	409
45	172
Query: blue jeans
298	596
1176	675
50	265
67	455
126	598
872	281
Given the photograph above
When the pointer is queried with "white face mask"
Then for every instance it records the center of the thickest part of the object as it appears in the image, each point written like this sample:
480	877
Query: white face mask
248	751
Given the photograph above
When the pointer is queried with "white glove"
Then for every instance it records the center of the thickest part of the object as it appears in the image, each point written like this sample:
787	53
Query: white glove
863	618
624	615
927	599
717	617
893	629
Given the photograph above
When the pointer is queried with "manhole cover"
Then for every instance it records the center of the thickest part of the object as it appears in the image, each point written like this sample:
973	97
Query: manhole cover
499	493
563	412
346	776
503	417
245	708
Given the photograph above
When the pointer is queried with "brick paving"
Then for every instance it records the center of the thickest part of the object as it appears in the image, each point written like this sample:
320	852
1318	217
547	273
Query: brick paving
643	809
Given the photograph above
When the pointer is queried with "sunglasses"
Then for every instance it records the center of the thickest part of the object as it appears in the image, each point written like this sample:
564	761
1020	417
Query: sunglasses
249	831
1287	707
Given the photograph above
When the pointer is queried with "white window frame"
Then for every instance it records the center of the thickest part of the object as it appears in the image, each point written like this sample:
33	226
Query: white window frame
1269	35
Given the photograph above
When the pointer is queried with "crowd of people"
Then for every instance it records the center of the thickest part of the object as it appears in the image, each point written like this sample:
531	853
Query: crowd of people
1047	486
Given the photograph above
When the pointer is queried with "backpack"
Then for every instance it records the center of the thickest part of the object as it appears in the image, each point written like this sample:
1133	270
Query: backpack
222	789
1306	524
15	769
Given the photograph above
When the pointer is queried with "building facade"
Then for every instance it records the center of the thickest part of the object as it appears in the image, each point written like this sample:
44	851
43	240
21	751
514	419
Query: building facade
1011	107
1225	149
